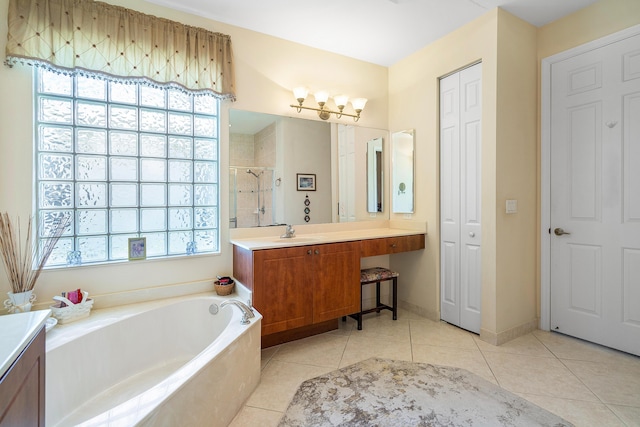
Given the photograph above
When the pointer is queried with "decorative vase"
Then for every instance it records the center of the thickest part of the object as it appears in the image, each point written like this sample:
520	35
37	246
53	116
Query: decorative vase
19	302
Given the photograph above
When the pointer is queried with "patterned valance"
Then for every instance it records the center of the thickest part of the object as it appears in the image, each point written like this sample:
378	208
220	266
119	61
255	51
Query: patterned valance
87	35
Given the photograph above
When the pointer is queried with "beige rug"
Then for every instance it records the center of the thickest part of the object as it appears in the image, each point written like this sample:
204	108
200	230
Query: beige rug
380	392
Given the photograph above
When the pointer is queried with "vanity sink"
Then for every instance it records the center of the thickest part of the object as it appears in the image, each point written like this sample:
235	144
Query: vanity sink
297	239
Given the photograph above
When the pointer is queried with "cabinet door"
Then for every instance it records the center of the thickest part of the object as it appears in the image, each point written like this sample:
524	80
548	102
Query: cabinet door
336	270
283	291
22	387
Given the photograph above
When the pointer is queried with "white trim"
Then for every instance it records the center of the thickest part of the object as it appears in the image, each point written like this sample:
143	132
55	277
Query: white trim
545	159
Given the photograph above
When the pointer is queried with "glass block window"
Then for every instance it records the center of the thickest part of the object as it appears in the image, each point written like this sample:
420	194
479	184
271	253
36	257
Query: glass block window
123	160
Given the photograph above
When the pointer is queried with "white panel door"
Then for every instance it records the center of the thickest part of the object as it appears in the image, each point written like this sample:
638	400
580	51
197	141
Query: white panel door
595	195
460	198
347	174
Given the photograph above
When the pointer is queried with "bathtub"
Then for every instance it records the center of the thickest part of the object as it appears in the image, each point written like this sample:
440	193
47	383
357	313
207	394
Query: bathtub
160	363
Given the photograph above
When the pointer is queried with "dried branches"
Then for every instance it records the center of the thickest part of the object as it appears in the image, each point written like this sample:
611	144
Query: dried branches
22	260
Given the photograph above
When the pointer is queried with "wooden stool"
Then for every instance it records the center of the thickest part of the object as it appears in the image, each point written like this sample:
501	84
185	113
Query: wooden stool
377	275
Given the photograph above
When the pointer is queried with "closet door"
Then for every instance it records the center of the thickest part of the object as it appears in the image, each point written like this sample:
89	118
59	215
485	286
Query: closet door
460	196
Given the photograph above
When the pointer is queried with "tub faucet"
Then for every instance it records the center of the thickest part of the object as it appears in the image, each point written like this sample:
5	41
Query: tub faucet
247	312
289	232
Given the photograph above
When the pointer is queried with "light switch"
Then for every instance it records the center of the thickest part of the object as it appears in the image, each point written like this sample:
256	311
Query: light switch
512	206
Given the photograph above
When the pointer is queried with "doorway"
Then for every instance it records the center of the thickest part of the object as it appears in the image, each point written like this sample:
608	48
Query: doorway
591	192
460	198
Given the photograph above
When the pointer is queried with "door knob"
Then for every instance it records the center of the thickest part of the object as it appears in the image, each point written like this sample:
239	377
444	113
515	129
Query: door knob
559	232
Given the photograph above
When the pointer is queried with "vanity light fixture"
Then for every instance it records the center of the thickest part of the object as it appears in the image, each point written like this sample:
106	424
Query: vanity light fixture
300	93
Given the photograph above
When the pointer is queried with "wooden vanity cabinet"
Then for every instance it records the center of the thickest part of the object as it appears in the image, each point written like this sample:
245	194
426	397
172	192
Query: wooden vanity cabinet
304	285
22	387
391	245
282	288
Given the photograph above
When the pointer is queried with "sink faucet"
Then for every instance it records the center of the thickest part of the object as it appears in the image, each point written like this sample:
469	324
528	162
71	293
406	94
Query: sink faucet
289	232
247	312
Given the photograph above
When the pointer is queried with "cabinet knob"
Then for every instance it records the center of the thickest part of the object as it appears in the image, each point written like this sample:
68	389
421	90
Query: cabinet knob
394	245
309	252
472	234
317	252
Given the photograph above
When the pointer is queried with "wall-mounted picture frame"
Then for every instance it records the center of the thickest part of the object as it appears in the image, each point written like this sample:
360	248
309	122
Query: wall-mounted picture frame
306	181
137	248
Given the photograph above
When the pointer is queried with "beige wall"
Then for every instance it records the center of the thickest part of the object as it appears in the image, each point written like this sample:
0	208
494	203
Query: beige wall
601	18
510	50
413	103
267	69
516	178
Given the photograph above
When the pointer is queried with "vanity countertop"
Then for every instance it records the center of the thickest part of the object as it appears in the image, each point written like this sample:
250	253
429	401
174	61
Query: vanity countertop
318	238
16	332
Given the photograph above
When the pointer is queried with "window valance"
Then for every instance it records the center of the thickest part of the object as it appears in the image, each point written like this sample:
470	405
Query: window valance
94	36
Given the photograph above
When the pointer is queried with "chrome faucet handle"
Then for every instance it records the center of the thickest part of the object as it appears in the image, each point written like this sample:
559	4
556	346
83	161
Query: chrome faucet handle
247	312
289	232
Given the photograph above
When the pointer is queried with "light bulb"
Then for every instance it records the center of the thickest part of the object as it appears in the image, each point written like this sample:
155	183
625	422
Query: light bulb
300	93
358	103
321	97
341	100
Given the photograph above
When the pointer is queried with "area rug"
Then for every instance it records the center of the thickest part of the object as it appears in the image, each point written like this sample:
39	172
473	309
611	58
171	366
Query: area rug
381	392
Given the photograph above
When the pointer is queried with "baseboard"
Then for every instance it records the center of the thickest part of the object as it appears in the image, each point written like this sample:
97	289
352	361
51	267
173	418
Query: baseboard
420	311
298	333
510	334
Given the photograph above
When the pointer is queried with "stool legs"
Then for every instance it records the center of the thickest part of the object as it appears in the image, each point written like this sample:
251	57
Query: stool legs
395	298
379	306
359	315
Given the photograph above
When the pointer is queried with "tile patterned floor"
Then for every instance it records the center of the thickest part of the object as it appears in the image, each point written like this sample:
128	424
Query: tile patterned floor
584	383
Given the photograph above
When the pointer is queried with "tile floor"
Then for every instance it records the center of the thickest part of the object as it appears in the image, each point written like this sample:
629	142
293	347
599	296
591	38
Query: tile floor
584	383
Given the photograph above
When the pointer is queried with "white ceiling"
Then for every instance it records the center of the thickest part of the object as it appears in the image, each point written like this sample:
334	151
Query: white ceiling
377	31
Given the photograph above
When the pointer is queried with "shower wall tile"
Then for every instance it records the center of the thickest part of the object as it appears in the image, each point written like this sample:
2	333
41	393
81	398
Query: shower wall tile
241	149
265	147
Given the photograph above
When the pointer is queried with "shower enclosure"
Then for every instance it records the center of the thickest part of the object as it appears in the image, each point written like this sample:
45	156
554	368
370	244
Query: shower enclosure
251	196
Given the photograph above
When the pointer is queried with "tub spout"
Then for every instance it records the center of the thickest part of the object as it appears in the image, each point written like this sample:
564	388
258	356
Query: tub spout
247	312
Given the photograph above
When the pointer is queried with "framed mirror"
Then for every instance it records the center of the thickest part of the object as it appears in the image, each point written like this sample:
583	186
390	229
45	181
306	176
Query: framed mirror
402	171
375	167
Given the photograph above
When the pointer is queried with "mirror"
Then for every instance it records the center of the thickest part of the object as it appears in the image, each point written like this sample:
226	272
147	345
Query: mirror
269	153
375	167
402	164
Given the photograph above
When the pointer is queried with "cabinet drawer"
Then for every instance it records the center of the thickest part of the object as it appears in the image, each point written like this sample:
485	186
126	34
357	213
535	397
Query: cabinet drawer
391	245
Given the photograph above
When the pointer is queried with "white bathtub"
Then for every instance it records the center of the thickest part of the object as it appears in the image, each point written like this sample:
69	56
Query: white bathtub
161	363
